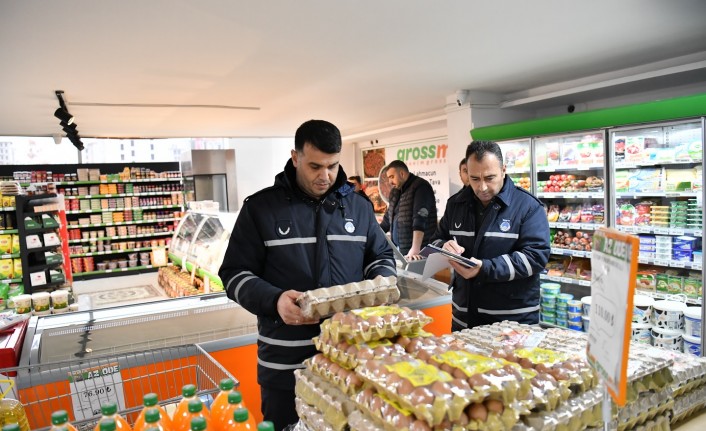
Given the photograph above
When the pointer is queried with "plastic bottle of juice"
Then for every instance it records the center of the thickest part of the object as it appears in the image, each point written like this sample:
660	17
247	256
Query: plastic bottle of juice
12	412
198	424
223	418
110	411
151	401
155	420
220	403
242	421
60	419
196	410
265	426
180	421
107	424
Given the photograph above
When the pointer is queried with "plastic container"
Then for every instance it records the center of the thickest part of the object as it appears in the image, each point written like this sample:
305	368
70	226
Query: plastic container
41	303
101	266
12	412
586	322
642	311
181	420
692	321
122	264
132	263
641	333
222	408
564	298
242	421
586	304
60	420
692	345
151	401
668	314
23	303
574	306
60	300
550	288
667	338
112	264
110	413
573	317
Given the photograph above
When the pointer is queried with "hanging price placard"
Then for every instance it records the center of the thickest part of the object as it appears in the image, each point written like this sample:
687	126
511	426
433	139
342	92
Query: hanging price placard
91	387
613	277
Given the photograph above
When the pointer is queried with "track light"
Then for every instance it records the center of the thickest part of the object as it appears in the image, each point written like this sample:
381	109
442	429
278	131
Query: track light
67	122
70	129
63	115
76	140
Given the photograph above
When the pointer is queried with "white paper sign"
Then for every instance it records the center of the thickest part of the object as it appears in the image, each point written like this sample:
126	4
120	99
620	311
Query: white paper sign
91	387
613	276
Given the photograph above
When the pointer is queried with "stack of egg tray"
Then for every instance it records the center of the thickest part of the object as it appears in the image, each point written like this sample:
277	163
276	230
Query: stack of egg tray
689	385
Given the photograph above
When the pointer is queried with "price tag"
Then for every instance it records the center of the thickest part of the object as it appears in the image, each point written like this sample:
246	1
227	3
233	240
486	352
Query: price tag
628	229
698	233
696	266
554	278
566	280
577	253
574	226
678	264
641	259
661	262
557	251
562	225
661	231
91	387
584	282
676	231
643	229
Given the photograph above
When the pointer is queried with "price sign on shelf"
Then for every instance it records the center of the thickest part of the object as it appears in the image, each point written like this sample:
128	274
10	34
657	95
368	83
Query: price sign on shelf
613	275
91	387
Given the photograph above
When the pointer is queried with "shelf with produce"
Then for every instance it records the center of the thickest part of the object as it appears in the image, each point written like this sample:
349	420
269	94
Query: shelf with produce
79	275
140	180
41	230
566	280
111	238
517	171
639	195
575	226
670	263
662	295
160	220
123	195
570	168
567	252
8	231
152	207
661	230
214	280
571	195
649	164
111	252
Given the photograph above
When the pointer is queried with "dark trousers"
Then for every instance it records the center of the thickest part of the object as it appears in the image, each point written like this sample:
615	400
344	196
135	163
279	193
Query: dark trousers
278	407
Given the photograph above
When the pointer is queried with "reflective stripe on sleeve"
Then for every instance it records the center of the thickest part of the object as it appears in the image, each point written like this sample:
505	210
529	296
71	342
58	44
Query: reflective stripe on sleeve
526	262
458	322
503	235
346	238
461	309
461	233
510	267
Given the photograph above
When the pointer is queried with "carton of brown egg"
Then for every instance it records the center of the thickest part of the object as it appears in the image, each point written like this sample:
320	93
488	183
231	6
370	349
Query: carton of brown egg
373	323
333	404
324	302
343	378
351	354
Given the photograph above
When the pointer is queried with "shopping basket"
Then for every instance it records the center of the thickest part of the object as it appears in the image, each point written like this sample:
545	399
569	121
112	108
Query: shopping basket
80	386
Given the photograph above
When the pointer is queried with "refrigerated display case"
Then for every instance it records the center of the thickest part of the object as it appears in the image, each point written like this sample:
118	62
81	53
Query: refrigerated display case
517	156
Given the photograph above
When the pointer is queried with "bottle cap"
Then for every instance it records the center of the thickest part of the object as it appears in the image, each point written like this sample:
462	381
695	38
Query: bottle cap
107	424
240	415
235	397
198	424
195	406
11	427
226	384
59	417
266	426
152	416
188	390
109	409
150	399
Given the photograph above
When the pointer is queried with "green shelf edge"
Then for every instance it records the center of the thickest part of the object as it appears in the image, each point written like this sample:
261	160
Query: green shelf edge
215	279
660	110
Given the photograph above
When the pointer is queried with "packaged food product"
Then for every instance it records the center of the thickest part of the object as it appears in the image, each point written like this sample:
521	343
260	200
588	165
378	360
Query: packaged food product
343	378
351	354
324	302
373	323
334	405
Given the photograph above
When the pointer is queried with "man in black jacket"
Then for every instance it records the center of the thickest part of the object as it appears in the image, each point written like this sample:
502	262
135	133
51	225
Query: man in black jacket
411	214
309	230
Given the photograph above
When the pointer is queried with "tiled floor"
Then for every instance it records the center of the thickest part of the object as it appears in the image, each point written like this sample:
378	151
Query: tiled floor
116	291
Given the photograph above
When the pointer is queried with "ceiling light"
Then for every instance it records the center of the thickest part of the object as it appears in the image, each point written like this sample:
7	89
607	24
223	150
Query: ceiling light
76	140
70	129
63	115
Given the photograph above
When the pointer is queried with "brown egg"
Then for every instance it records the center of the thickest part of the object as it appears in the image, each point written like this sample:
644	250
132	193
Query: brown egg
403	340
421	395
393	380
414	345
462	419
448	368
376	404
425	356
365	353
401	421
560	373
333	369
338	317
405	387
478	381
478	412
441	389
419	425
499	353
381	350
353	381
352	350
542	368
495	406
459	373
460	384
526	363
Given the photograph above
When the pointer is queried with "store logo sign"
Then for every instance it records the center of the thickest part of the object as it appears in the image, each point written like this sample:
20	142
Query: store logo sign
422	152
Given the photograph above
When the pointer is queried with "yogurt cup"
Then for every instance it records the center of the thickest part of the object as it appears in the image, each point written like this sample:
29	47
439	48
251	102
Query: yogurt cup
692	345
642	308
550	288
668	314
41	303
23	304
575	326
667	338
60	300
574	306
586	303
564	298
574	317
586	322
692	321
641	333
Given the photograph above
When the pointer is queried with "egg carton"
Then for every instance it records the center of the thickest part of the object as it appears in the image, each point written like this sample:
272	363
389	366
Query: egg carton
648	406
343	378
658	423
351	354
574	414
372	324
688	370
310	418
689	403
333	404
326	301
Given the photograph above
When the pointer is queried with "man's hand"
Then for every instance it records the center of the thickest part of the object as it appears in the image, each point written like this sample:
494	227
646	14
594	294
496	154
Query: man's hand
453	247
290	312
413	254
465	271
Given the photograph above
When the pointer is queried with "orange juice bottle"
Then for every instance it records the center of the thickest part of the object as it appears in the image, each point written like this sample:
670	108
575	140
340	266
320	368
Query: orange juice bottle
180	421
151	401
221	418
155	420
198	424
242	421
196	410
60	419
265	426
106	424
221	401
110	411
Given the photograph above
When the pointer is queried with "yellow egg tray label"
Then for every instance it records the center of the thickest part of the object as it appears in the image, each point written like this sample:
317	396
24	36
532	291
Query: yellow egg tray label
419	373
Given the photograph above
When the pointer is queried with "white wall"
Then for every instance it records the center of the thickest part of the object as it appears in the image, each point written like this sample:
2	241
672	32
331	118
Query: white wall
257	161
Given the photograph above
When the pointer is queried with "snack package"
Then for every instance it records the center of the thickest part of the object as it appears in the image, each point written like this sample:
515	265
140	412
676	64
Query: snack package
324	302
373	323
553	213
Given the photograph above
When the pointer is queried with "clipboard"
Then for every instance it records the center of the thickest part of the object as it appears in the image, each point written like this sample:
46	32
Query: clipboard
432	249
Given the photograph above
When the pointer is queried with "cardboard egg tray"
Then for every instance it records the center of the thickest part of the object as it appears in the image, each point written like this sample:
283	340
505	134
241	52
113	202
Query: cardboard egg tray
324	302
311	417
333	404
373	323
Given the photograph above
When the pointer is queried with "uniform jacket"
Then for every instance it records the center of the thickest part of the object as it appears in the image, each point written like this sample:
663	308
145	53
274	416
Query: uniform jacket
411	208
513	243
285	240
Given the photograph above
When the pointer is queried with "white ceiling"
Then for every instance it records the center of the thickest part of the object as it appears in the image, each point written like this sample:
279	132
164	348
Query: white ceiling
360	64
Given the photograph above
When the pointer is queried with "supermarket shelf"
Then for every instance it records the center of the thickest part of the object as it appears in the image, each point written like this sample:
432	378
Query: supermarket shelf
120	223
109	252
570	195
141	180
625	165
8	209
565	168
661	295
123	195
110	238
117	271
9	256
566	280
43	267
5	231
658	193
47	285
514	171
573	253
11	280
670	263
661	230
41	230
578	226
45	248
39	213
103	210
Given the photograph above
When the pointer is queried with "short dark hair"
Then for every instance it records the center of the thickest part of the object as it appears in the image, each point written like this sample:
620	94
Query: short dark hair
321	134
480	148
356	178
463	162
399	165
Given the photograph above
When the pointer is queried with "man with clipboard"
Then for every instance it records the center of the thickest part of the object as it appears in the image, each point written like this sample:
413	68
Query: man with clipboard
503	230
